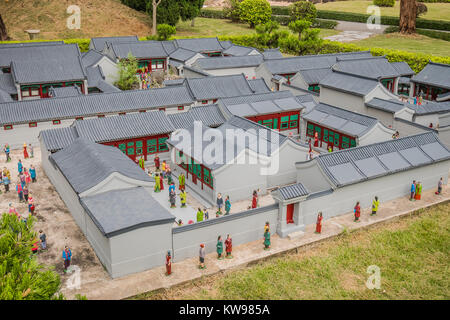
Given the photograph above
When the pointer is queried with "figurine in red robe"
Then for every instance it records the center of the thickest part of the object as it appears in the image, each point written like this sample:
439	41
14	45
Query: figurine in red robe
316	139
357	212
228	247
254	200
157	162
319	223
25	152
168	264
161	183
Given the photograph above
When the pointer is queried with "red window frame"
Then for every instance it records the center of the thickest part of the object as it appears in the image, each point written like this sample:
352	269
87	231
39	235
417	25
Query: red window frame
79	118
180	107
48	85
100	116
204	101
215	100
32	124
8	127
278	116
122	113
56	122
142	111
341	135
162	109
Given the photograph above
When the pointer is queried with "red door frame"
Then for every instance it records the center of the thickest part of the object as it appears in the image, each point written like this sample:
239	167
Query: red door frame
290	213
332	130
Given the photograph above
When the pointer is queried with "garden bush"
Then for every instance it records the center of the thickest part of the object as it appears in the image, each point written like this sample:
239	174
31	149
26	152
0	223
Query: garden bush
231	10
303	10
384	3
255	12
165	31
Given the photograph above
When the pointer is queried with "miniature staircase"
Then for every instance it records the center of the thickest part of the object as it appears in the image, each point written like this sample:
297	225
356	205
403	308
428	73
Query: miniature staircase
296	235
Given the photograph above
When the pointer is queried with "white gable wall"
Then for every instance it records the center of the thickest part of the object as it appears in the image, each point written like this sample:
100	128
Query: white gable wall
343	100
378	133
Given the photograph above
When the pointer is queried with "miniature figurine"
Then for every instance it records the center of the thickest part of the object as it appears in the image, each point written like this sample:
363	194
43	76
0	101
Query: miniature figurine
228	246
357	211
199	215
418	194
254	200
413	191
168	264
227	205
375	204
219	202
206	213
319	223
25	152
19	166
316	139
219	247
156	162
266	238
181	180
201	255
161	182
157	183
440	183
172	199
183	198
67	256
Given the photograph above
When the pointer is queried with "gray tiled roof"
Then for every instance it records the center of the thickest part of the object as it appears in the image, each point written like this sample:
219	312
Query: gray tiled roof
314	76
64	52
352	123
196	70
96	79
295	64
57	139
91	57
430	107
214	87
85	164
92	104
391	106
5	96
226	44
228	62
141	49
435	74
258	85
7	83
71	91
256	97
404	80
272	54
257	131
169	45
348	83
293	191
199	44
99	43
403	68
371	161
181	120
181	54
119	211
210	115
48	70
128	126
236	50
261	104
373	68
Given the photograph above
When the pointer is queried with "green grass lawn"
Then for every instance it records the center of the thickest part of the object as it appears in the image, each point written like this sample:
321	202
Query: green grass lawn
436	11
205	27
416	43
413	254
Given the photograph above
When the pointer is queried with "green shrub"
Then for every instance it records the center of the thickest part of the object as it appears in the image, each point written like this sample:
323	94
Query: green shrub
421	9
165	31
213	14
127	73
255	12
303	10
299	26
384	3
231	10
281	11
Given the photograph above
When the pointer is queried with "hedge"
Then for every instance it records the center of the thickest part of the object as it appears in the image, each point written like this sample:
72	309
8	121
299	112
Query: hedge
416	61
385	20
318	23
429	33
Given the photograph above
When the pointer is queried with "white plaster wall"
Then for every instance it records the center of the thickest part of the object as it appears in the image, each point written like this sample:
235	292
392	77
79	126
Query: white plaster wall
140	249
444	136
425	120
109	69
311	176
384	117
242	229
263	72
377	134
115	181
406	129
390	187
298	81
249	72
343	100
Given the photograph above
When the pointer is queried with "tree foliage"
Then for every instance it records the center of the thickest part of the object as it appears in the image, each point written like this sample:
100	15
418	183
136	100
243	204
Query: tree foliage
231	10
299	26
384	3
255	12
127	73
21	277
165	31
190	9
303	10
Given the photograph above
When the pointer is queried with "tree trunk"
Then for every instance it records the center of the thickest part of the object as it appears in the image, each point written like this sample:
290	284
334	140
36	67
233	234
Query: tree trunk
3	33
155	6
408	12
193	22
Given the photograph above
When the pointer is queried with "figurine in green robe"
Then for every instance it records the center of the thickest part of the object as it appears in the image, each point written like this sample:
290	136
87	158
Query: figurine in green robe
199	215
157	183
267	239
219	247
183	198
182	181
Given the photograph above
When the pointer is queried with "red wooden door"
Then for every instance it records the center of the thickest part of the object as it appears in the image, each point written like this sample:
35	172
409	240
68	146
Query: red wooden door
290	213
